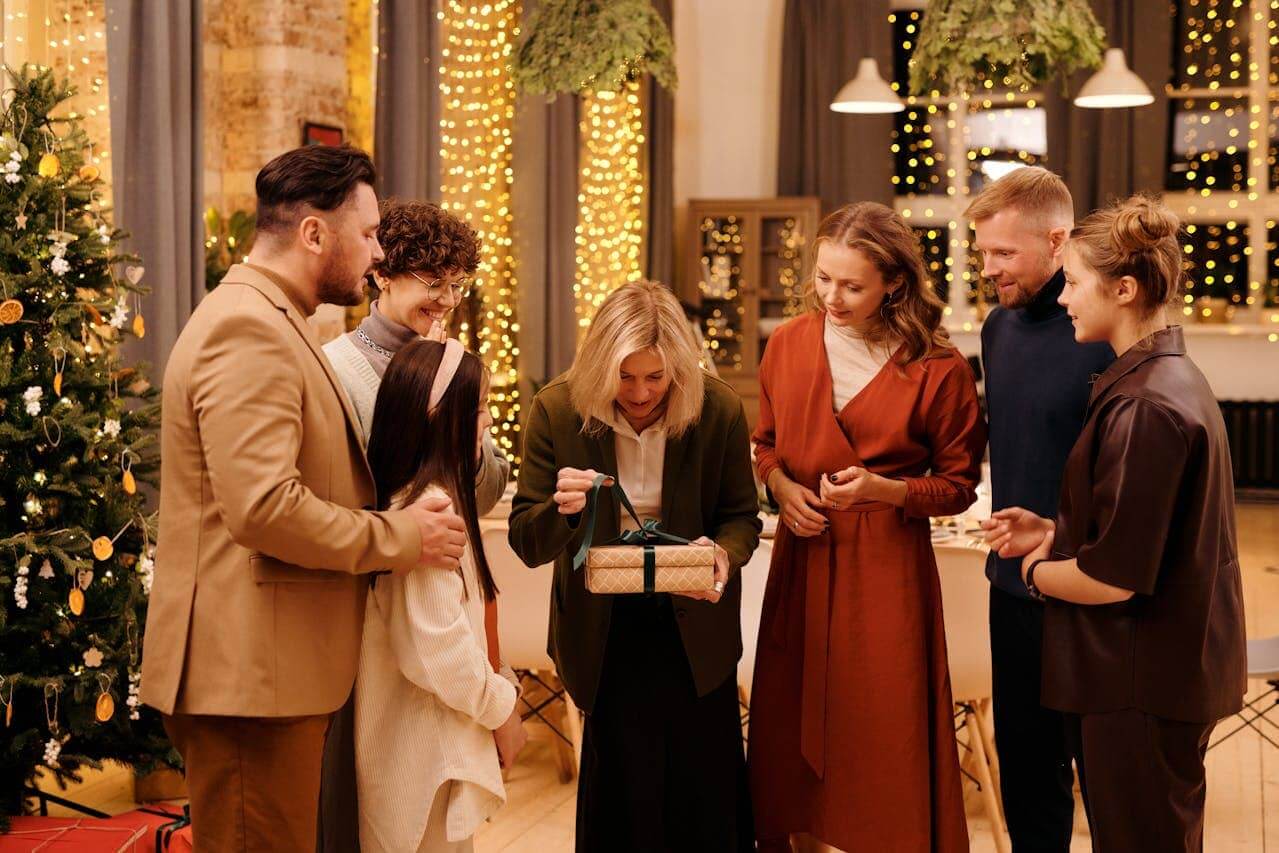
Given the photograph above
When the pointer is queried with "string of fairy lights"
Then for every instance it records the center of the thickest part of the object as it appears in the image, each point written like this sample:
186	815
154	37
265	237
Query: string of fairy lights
477	111
609	236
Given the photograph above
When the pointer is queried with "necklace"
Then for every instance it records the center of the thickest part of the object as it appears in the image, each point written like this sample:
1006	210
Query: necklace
360	333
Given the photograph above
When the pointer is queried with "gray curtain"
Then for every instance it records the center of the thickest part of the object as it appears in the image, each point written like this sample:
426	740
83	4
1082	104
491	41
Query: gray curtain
841	158
659	133
406	115
1108	154
157	169
544	201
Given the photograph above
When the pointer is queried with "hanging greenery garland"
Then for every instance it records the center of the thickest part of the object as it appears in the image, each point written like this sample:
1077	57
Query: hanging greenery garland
576	46
968	45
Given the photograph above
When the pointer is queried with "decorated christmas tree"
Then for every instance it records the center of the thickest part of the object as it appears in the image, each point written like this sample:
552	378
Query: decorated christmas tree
77	439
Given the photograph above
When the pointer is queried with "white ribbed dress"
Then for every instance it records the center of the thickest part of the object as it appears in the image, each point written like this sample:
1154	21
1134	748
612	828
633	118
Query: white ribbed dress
427	702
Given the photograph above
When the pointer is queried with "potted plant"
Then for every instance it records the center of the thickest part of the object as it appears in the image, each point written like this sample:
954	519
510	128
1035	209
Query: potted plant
1013	44
576	46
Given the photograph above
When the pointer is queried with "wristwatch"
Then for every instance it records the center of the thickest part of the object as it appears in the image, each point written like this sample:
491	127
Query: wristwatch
1030	582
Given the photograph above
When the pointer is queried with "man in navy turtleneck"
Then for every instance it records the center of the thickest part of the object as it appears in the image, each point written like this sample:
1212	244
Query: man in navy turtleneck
1037	381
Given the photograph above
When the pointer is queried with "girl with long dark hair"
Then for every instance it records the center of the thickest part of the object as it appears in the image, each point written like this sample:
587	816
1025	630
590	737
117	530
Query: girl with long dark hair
433	722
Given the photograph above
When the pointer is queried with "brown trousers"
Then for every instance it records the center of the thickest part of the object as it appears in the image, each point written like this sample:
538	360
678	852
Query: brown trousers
254	782
1143	781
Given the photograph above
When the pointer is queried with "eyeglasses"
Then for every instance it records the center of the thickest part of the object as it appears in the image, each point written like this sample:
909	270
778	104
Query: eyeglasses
435	287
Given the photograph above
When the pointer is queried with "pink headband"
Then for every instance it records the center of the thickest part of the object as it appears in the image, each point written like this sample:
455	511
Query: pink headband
449	362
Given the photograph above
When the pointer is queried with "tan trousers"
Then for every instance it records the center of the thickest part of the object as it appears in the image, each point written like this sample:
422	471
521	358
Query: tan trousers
254	782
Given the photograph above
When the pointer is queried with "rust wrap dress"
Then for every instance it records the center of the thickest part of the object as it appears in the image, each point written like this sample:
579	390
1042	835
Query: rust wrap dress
852	730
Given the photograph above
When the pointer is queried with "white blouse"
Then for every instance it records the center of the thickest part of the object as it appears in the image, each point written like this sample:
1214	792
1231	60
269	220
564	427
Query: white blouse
853	362
426	704
640	459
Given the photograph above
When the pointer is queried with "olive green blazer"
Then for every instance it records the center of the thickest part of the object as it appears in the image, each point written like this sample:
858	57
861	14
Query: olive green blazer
708	489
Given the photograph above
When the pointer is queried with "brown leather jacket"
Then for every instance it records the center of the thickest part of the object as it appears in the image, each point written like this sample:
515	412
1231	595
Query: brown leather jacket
1148	505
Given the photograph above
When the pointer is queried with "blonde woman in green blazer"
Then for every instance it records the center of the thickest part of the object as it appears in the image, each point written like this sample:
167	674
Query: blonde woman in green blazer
662	761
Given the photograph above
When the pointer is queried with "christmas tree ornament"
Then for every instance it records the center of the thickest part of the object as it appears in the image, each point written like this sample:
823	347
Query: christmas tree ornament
84	577
126	477
8	703
104	708
103	547
89	173
93	657
46	570
75	601
59	363
52	689
50	166
134	273
54	436
139	327
21	221
10	311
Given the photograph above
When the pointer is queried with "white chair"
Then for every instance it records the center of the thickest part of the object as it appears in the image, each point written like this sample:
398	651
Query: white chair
524	603
965	596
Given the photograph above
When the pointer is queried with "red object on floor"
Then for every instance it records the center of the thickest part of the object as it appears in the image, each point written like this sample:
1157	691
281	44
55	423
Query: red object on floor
132	832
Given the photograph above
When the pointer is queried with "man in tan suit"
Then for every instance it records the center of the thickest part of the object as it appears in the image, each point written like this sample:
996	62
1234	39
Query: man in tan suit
266	534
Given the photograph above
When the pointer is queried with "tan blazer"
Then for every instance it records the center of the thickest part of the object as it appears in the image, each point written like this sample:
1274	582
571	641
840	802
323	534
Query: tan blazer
258	598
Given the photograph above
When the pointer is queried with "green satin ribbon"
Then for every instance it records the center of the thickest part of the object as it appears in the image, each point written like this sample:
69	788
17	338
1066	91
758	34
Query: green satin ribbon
647	536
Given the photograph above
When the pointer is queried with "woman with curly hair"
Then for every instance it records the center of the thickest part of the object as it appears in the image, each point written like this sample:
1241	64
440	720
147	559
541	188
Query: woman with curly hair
430	256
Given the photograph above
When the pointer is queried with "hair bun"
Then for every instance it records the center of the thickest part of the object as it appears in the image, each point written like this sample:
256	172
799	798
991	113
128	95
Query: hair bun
1141	223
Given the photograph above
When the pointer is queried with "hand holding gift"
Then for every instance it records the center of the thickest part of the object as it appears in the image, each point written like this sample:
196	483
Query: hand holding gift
572	487
721	574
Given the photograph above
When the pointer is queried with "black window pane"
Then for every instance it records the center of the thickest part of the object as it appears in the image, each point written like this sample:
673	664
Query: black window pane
1215	262
1209	144
1272	265
1212	40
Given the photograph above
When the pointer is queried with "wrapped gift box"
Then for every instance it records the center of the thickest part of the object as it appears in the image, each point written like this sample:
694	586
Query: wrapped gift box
142	831
620	569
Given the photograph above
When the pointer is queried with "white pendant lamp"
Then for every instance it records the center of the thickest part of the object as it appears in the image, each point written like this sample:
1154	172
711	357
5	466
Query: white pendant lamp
1114	85
867	92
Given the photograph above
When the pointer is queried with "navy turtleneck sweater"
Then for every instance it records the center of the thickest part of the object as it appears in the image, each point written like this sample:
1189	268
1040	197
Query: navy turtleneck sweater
1037	381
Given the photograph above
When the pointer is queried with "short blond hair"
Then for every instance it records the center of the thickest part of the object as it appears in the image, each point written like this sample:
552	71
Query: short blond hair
637	316
1033	191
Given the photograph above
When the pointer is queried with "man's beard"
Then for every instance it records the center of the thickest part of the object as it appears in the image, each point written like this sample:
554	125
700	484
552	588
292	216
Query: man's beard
338	285
1015	297
1018	296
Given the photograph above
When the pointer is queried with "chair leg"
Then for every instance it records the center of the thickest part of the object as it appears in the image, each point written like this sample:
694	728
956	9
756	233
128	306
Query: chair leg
573	723
564	758
984	720
988	793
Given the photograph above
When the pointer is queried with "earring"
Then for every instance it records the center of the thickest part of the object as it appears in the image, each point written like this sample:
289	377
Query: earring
885	305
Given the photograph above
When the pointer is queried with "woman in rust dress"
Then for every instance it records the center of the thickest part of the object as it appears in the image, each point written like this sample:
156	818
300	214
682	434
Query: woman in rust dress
869	424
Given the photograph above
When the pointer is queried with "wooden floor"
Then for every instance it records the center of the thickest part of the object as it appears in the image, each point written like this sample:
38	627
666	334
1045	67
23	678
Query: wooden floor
1243	772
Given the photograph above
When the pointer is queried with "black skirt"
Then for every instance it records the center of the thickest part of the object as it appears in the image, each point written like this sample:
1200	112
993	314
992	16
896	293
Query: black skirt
662	768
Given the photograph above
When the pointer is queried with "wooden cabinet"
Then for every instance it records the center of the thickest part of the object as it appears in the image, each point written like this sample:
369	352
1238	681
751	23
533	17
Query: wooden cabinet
744	276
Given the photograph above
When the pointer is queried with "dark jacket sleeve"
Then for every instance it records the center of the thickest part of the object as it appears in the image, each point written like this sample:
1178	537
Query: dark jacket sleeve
538	532
736	526
1136	481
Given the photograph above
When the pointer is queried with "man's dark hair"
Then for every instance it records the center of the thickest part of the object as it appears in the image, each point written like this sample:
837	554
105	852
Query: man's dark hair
319	176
